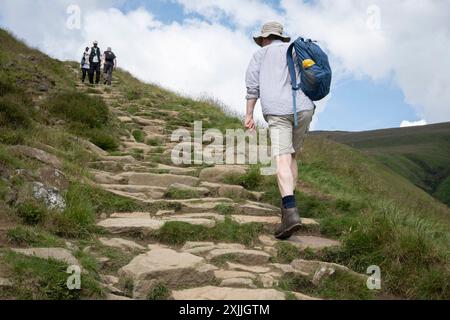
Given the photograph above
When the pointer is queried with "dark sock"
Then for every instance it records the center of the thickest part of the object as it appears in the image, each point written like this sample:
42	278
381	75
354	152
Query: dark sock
289	202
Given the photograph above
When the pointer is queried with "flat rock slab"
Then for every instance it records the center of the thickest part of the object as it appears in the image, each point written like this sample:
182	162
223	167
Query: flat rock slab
311	267
238	283
252	269
121	244
169	266
59	254
158	180
147	224
39	155
221	173
244	219
258	210
205	247
230	274
222	293
249	257
312	242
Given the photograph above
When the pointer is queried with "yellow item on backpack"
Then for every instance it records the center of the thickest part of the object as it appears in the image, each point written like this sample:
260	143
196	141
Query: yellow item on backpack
308	63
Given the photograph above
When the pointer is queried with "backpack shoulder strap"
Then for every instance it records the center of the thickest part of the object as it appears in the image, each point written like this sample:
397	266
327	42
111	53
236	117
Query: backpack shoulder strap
295	87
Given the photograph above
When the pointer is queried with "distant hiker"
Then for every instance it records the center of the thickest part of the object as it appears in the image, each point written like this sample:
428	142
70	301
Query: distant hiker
85	64
110	63
95	61
268	79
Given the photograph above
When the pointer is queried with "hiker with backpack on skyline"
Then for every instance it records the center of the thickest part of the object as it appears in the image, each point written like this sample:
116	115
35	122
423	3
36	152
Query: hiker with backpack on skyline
85	64
272	76
110	64
95	59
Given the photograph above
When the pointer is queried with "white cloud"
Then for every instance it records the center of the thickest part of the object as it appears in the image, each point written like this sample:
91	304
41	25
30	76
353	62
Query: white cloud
410	47
406	123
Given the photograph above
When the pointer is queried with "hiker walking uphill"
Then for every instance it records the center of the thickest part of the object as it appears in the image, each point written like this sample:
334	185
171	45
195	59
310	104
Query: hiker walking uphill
95	61
269	79
110	64
85	64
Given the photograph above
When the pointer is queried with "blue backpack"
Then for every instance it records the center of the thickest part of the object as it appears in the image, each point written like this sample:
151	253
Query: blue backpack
315	78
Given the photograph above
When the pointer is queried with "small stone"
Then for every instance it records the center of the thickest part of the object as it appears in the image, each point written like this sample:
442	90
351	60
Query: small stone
238	283
267	280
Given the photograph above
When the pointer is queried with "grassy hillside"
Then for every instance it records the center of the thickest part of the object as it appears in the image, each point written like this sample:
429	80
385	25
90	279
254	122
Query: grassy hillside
379	216
420	154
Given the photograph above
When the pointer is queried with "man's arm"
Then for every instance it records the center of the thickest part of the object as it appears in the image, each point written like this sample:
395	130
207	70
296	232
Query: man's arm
249	121
252	83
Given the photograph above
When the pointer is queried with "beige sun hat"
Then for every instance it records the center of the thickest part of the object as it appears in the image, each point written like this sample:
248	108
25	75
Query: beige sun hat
271	28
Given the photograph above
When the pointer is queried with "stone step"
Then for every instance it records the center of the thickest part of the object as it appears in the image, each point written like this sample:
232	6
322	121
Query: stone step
302	242
220	173
150	192
123	224
269	220
223	293
143	179
166	265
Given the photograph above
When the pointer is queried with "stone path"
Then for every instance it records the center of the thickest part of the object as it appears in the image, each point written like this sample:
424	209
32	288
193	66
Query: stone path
194	270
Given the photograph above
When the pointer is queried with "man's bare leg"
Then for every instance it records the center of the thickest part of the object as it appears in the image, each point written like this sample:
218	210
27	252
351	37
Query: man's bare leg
294	170
285	175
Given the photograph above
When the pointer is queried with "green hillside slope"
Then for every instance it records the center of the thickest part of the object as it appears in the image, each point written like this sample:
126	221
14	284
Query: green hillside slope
421	154
86	178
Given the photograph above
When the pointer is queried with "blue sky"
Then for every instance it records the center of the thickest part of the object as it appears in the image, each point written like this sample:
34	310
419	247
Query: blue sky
380	80
355	105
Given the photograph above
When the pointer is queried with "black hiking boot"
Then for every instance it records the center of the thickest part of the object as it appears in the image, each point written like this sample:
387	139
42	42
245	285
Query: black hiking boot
290	223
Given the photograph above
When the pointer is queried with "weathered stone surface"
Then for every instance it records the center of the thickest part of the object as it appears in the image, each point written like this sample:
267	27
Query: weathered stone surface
5	283
125	225
49	195
198	191
102	177
253	269
59	254
201	249
114	297
53	177
230	274
301	296
120	159
267	240
93	148
312	242
311	267
150	192
39	155
249	257
125	119
221	173
121	244
267	220
257	210
158	180
176	170
288	269
169	266
238	283
232	191
221	293
267	280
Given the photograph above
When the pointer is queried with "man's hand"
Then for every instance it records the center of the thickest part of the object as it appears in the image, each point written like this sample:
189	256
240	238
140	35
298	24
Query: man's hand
250	123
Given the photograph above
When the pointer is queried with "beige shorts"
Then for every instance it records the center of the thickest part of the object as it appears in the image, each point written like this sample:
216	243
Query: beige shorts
284	137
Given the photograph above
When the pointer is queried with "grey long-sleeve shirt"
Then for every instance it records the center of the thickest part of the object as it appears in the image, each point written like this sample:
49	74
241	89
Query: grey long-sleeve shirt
268	79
